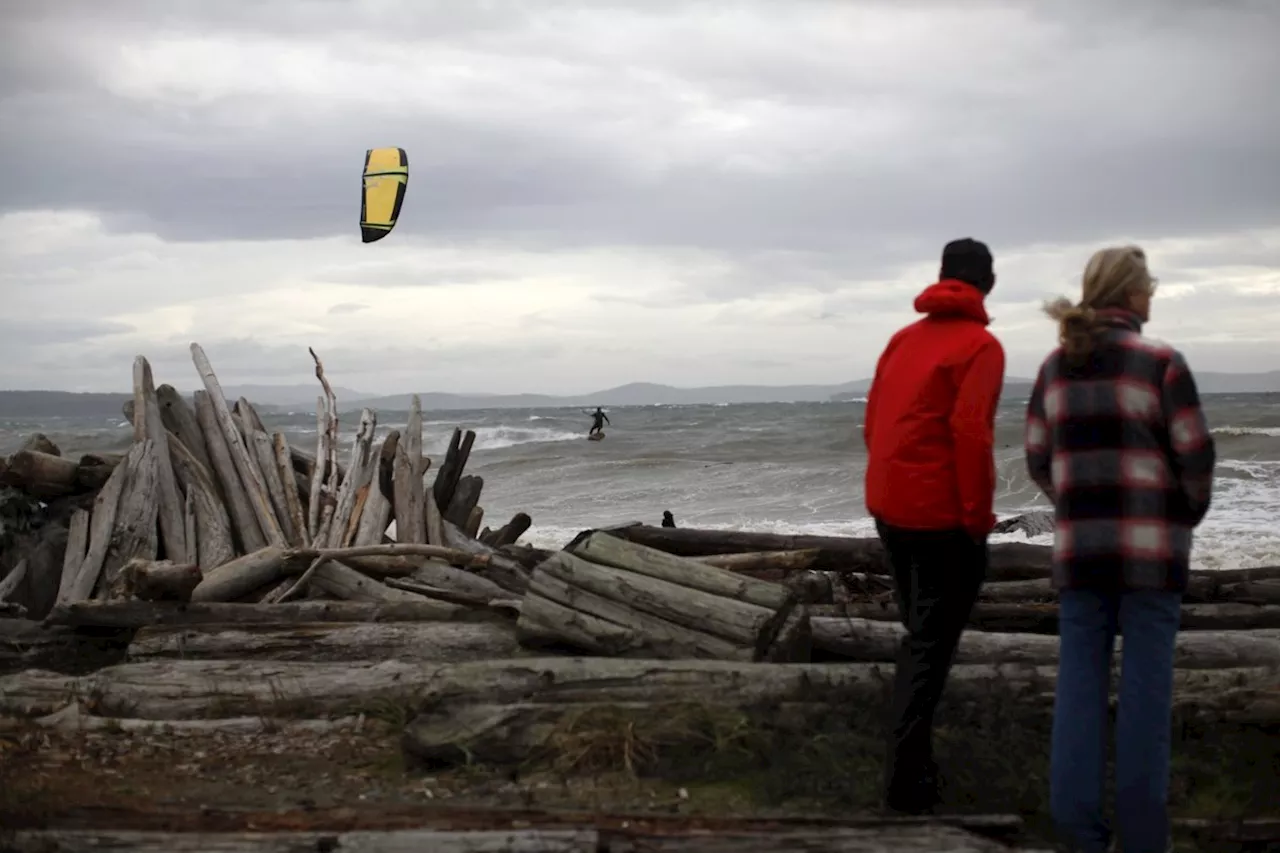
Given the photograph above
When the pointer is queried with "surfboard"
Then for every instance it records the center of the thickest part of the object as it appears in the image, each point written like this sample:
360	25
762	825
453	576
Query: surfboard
596	436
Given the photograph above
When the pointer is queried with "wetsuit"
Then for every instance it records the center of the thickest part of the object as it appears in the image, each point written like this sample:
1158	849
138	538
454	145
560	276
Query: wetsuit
599	419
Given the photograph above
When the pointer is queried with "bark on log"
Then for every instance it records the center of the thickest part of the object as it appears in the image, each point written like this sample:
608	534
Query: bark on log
214	542
244	521
255	490
180	419
159	581
466	497
139	614
241	576
218	689
765	561
284	472
41	475
149	425
556	613
510	532
741	623
73	557
1009	560
872	641
612	551
134	533
321	642
102	521
1032	618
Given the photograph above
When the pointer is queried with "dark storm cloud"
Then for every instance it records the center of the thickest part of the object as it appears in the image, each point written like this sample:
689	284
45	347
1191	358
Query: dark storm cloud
1086	151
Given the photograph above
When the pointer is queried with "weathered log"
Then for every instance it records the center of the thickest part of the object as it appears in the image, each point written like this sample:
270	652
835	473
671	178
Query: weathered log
41	475
9	583
284	471
244	521
41	443
1035	618
139	614
510	533
474	519
1258	592
254	489
73	556
619	553
214	542
346	583
741	623
502	570
466	496
1202	588
326	451
134	532
873	641
765	561
1008	561
526	555
319	642
444	576
217	689
382	505
358	472
180	419
433	521
243	575
557	613
28	644
102	521
443	841
93	472
408	490
149	425
455	462
163	580
316	493
263	456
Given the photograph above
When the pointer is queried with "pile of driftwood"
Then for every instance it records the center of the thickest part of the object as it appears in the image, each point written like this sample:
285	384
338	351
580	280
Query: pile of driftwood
208	506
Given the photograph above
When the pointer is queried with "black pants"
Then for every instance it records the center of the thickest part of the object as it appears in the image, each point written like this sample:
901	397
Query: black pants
937	576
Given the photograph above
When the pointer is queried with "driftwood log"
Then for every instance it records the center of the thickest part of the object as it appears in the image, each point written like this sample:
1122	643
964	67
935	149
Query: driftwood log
140	614
163	580
613	597
1042	618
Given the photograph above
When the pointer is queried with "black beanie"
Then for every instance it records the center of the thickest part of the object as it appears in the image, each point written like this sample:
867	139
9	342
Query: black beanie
968	260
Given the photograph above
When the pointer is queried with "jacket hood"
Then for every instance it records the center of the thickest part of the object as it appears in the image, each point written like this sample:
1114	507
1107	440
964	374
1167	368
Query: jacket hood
953	298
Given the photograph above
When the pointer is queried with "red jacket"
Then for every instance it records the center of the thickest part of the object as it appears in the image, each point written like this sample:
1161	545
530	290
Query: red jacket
930	417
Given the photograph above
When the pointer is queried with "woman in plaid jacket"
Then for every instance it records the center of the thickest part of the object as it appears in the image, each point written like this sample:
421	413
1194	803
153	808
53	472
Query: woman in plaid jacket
1115	437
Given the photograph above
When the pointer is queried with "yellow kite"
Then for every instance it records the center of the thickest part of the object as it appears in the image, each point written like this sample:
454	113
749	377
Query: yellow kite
386	176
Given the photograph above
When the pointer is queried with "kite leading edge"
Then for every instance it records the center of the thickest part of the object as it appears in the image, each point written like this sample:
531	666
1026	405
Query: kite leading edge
386	176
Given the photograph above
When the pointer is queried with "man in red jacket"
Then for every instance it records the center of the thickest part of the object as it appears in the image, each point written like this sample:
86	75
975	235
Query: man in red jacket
930	484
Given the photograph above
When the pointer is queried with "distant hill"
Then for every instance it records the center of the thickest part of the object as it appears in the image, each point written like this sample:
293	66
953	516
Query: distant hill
43	404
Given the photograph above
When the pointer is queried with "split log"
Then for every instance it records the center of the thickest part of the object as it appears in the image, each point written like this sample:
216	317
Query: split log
41	475
911	840
149	425
73	557
244	521
466	496
765	561
510	532
286	475
455	461
134	533
214	542
1008	560
41	443
1033	618
871	641
102	521
243	575
180	419
407	483
254	489
130	615
182	689
163	580
320	642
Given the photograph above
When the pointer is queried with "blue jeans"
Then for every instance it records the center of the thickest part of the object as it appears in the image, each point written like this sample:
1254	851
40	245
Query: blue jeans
1087	626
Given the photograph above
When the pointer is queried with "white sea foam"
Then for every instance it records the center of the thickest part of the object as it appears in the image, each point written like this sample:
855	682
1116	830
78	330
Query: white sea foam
1273	432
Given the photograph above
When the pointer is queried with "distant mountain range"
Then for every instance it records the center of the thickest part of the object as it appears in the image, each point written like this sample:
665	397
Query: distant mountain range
44	404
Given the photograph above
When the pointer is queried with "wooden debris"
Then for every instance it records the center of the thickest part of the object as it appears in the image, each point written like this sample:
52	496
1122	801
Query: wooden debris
245	527
134	534
139	614
161	580
149	425
39	474
214	542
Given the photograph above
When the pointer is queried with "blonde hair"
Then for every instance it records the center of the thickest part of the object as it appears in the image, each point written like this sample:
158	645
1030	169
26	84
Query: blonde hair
1111	277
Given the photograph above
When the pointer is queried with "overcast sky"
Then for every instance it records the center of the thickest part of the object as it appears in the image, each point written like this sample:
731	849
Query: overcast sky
604	192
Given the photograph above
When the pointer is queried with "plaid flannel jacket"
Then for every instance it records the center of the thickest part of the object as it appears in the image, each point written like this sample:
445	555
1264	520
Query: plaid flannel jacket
1121	447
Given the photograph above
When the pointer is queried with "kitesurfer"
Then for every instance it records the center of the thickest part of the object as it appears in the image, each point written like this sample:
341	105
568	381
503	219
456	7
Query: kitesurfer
598	420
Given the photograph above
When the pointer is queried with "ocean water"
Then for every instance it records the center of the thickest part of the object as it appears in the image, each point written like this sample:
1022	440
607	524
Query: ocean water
794	468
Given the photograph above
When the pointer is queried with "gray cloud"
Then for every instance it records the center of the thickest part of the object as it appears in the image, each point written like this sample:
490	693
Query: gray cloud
347	308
